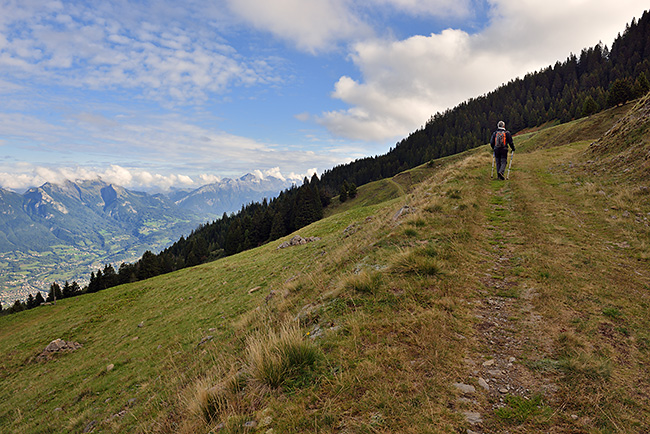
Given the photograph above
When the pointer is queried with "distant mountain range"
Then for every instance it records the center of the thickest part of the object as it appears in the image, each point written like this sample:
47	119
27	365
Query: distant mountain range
64	231
228	195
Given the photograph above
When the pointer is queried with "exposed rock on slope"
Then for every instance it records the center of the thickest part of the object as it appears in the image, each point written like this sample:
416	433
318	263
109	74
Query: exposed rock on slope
57	346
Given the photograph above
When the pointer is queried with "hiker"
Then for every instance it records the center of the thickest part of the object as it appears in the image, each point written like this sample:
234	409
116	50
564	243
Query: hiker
499	141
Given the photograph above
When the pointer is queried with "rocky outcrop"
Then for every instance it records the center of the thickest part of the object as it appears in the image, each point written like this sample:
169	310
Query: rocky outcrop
57	346
297	241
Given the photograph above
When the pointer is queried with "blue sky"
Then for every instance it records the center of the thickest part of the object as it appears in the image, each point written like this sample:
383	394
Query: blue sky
155	94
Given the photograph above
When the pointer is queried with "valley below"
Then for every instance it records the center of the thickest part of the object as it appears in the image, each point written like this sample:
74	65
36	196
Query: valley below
58	233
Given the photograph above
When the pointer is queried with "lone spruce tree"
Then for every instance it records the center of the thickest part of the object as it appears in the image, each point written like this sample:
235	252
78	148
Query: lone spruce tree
352	191
343	194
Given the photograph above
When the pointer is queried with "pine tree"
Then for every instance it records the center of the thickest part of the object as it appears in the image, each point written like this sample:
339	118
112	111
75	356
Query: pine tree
619	93
304	209
589	107
55	292
75	289
278	229
18	306
352	191
641	86
126	273
93	284
234	238
110	277
30	302
343	195
39	299
148	266
66	291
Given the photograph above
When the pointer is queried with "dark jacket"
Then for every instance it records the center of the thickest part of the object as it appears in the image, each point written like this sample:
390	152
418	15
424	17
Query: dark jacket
509	141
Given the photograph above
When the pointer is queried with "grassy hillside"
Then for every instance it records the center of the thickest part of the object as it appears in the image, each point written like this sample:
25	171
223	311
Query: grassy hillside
517	306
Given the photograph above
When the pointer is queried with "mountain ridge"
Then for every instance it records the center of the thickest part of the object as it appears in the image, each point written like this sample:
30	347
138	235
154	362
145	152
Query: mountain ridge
229	194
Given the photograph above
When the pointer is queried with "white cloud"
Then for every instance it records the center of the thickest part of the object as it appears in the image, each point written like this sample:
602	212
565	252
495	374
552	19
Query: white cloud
314	26
304	117
100	48
310	25
208	178
274	172
404	82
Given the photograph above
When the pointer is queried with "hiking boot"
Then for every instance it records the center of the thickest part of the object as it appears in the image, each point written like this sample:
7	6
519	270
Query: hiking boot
500	175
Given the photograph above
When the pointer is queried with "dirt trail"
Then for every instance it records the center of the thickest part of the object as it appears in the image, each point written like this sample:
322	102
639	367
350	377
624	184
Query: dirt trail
558	275
509	331
505	325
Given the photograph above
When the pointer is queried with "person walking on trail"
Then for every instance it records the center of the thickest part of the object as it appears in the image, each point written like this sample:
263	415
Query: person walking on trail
500	141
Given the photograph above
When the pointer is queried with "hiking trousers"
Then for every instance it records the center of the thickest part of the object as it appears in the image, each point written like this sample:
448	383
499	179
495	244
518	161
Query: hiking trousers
501	159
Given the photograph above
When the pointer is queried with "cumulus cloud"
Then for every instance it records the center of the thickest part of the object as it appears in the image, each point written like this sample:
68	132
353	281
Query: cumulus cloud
405	81
315	26
310	25
209	178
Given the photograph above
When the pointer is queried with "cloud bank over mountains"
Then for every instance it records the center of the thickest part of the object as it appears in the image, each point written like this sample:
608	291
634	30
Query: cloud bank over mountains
129	178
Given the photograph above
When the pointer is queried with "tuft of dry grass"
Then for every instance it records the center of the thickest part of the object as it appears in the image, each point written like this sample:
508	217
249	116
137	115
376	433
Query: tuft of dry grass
365	281
420	262
234	390
277	358
220	393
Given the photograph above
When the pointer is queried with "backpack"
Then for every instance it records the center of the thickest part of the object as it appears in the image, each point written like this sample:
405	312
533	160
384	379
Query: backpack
500	139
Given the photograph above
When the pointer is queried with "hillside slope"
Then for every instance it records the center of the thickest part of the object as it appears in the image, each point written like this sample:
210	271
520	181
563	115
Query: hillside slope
453	302
625	150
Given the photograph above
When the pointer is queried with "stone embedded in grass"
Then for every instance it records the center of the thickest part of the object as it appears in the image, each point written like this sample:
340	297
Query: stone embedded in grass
473	417
402	212
350	230
110	367
466	389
